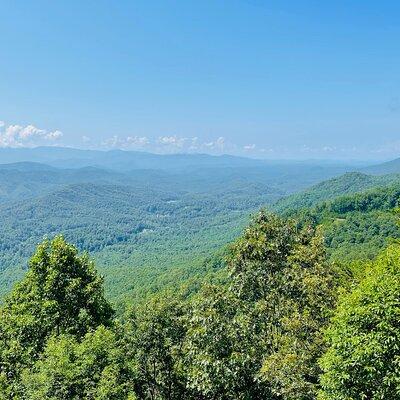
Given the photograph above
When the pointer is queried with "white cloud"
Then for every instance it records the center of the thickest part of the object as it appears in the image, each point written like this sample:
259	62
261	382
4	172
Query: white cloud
54	135
173	141
169	144
194	144
249	147
329	149
129	142
113	141
26	136
219	144
139	141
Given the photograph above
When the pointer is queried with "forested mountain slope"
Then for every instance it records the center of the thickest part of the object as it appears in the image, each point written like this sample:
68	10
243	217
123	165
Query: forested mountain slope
147	227
139	223
355	211
126	227
30	179
349	183
358	226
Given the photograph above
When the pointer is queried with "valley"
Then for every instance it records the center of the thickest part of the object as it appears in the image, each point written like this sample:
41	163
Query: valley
152	228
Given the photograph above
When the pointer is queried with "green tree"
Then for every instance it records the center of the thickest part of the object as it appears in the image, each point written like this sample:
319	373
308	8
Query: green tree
222	355
70	369
60	294
153	348
261	337
363	359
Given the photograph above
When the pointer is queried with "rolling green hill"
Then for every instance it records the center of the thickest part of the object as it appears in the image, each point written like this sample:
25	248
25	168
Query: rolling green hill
151	227
358	226
354	210
348	183
128	228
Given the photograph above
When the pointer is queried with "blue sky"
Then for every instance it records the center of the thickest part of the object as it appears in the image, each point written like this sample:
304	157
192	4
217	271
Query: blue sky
292	79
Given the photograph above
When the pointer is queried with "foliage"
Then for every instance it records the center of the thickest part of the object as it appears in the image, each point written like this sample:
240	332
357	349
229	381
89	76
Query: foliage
361	225
221	359
360	236
153	345
70	369
60	294
363	359
280	297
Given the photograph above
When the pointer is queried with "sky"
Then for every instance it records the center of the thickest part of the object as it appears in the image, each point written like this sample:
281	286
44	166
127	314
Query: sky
268	79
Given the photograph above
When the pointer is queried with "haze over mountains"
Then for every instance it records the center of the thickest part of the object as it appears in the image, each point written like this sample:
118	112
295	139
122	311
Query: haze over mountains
117	159
66	157
145	215
25	172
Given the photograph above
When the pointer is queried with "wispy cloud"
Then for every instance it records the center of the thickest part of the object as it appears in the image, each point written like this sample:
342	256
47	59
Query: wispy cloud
218	145
249	147
26	136
173	141
128	142
15	135
170	144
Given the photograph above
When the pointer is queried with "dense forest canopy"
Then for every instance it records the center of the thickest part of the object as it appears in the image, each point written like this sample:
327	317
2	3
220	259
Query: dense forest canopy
285	323
362	360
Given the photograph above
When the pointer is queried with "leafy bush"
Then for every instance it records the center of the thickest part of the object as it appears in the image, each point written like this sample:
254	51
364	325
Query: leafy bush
363	360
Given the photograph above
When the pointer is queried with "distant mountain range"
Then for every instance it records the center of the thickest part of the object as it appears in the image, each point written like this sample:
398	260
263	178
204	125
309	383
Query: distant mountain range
64	157
118	159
